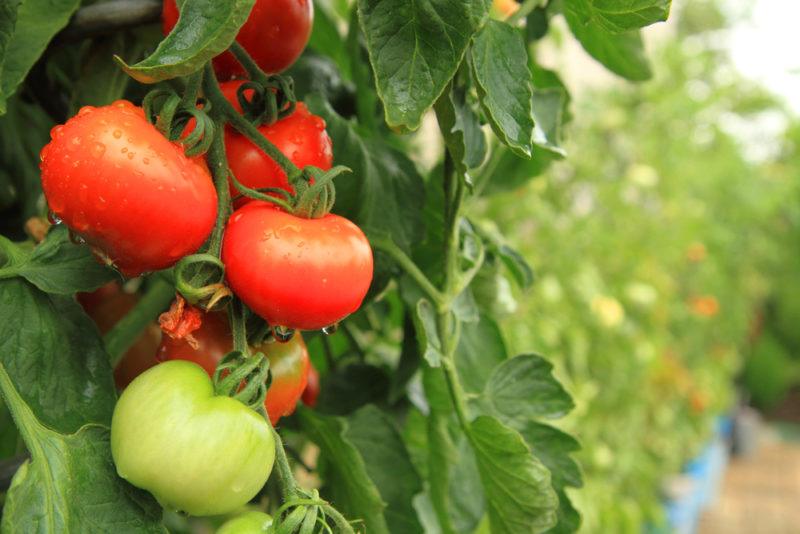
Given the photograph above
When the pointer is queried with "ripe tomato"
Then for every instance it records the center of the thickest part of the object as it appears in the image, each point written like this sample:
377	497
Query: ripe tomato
275	34
288	362
296	273
252	522
311	392
194	451
301	136
128	191
106	306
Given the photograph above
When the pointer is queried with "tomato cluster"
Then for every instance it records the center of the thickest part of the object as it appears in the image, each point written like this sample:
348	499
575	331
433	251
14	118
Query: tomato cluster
141	204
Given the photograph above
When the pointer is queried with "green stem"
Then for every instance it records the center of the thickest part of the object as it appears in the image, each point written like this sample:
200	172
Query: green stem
221	105
218	163
254	72
388	246
193	84
238	326
289	487
524	9
125	333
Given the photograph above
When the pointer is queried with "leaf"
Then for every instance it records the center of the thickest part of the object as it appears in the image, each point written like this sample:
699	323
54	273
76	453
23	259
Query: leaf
510	171
548	105
59	266
37	21
480	350
523	388
353	492
415	49
205	29
8	19
518	492
553	448
350	387
429	342
500	68
569	520
621	53
56	380
388	465
514	261
618	16
461	129
326	39
384	194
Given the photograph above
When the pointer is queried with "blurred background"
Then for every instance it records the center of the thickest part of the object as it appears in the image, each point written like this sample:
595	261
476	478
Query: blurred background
667	258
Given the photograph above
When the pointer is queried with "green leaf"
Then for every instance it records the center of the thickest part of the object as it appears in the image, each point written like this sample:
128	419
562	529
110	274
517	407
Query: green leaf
569	520
384	194
388	465
415	49
37	21
326	39
461	129
353	492
523	388
517	485
56	381
514	261
553	448
205	29
621	53
619	16
350	387
480	350
59	266
548	105
500	68
427	333
506	171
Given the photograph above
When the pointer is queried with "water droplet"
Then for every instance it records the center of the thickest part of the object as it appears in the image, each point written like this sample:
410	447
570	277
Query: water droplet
76	239
301	244
283	334
146	161
86	109
131	155
76	141
98	149
117	134
53	218
57	131
124	149
331	329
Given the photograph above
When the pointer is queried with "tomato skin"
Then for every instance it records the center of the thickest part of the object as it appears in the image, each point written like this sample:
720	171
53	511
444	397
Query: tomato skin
288	362
301	137
311	392
298	273
127	190
253	522
275	34
194	451
106	306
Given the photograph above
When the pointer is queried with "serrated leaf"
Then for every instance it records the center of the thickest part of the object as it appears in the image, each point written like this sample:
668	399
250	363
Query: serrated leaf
517	485
499	61
388	465
461	129
429	342
37	21
569	520
553	448
619	16
353	492
415	49
206	28
621	53
480	350
58	266
524	388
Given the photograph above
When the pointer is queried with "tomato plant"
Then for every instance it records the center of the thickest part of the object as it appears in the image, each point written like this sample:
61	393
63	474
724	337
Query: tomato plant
248	523
311	392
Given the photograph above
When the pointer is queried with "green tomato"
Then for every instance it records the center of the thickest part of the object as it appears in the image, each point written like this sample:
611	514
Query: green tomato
194	451
248	523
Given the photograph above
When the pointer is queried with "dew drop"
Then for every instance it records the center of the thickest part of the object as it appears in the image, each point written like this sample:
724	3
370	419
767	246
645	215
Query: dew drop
53	218
330	329
98	149
124	149
146	161
117	134
131	155
86	109
283	334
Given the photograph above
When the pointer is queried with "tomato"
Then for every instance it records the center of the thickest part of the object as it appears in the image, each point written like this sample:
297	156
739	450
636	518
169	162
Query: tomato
301	136
275	34
106	306
248	523
194	451
503	9
128	191
311	392
294	272
288	362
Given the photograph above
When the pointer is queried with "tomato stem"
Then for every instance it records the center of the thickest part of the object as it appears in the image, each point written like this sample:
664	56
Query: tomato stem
194	82
289	487
386	245
254	72
218	163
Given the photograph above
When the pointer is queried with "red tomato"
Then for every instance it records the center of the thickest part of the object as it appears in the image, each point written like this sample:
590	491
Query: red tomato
275	34
311	392
288	362
294	272
301	136
106	306
128	191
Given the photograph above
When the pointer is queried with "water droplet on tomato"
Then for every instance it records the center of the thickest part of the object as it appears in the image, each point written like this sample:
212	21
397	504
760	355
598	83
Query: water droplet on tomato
301	244
283	334
98	149
331	329
86	109
131	155
117	134
53	218
146	161
75	141
124	149
57	131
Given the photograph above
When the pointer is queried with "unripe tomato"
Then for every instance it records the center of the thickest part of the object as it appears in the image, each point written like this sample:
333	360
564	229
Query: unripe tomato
296	273
275	34
311	392
301	137
288	362
106	306
127	190
248	523
194	451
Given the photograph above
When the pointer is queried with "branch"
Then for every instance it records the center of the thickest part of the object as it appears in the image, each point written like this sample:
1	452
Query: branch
110	17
